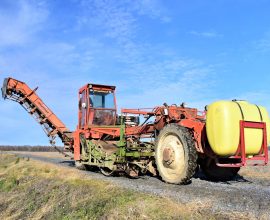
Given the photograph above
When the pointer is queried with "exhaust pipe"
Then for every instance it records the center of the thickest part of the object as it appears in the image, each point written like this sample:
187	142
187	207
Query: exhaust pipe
4	88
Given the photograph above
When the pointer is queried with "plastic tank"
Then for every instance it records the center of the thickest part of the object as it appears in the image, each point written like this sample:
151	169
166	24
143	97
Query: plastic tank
223	127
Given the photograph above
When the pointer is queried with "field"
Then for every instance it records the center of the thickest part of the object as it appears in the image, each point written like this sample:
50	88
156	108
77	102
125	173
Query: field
40	185
31	189
29	148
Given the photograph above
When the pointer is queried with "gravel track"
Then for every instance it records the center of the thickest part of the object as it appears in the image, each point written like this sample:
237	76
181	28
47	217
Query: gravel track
248	195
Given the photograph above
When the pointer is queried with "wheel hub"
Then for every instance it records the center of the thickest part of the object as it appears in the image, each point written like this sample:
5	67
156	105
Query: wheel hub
168	155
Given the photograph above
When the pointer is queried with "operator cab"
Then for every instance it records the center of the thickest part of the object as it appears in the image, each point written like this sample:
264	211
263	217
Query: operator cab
97	105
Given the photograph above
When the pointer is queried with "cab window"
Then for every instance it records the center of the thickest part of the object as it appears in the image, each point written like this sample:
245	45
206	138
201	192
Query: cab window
100	99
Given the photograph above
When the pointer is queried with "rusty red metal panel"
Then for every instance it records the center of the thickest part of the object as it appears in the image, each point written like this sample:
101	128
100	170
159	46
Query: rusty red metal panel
198	131
77	150
139	111
20	87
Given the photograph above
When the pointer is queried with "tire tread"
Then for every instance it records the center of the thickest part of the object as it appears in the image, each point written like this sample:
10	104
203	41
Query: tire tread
190	147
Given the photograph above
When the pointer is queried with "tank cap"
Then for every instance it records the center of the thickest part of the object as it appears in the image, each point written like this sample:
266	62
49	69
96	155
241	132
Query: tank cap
238	100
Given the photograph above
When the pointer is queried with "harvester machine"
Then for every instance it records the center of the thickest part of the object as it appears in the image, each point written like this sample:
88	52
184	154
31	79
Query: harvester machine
170	141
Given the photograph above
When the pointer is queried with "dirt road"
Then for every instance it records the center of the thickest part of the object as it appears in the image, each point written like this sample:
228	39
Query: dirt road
248	194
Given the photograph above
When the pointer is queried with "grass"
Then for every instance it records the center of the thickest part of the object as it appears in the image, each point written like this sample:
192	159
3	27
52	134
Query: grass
8	184
29	148
259	172
30	189
36	190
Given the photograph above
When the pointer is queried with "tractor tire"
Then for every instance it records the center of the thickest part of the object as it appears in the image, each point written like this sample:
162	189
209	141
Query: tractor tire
175	154
106	171
79	165
216	173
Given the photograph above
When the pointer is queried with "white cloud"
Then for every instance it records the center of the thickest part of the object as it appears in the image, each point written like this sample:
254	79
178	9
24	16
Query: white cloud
108	36
206	34
118	20
20	20
153	9
256	97
263	44
173	81
148	67
113	17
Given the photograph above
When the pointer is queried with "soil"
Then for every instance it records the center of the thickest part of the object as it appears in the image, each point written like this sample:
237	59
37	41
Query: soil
248	194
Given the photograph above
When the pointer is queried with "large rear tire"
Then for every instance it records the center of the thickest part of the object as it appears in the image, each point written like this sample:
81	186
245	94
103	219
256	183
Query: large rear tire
216	173
175	154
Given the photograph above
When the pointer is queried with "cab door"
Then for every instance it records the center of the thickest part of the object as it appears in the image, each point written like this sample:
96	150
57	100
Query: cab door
102	107
83	103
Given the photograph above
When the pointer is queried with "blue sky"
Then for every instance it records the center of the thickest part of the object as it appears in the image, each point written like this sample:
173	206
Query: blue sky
154	51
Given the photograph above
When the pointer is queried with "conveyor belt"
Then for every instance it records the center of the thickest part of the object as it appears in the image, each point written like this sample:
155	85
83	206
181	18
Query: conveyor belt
20	92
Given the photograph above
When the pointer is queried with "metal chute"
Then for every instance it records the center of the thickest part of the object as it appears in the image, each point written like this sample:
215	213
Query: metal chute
20	92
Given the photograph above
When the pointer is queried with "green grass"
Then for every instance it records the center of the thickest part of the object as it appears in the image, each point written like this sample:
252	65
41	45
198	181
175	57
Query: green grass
8	184
17	160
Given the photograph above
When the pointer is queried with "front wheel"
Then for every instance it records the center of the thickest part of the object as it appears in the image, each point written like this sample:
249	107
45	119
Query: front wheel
106	171
79	165
175	154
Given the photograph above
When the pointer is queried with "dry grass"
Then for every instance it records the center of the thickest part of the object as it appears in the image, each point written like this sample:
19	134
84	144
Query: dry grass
259	172
41	154
30	189
29	148
36	190
255	172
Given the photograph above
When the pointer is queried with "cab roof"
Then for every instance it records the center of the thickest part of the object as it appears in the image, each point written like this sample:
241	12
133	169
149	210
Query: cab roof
98	87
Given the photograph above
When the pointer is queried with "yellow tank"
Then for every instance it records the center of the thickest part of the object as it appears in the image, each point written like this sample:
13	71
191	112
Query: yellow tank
223	129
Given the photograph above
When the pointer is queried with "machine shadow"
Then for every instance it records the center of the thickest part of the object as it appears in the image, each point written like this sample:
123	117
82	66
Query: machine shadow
237	179
69	163
198	175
